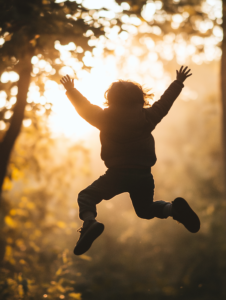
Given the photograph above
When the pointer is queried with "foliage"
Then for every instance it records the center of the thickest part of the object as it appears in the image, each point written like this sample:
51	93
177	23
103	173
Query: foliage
38	222
32	28
39	24
178	16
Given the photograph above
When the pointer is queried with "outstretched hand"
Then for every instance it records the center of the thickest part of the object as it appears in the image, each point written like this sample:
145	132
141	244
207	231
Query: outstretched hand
183	73
67	82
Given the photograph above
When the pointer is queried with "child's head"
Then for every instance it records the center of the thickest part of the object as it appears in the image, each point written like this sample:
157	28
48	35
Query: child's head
123	92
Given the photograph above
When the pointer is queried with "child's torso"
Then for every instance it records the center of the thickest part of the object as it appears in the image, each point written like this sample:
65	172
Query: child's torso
126	138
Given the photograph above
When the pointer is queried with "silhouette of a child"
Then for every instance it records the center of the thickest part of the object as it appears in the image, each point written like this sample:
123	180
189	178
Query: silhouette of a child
128	150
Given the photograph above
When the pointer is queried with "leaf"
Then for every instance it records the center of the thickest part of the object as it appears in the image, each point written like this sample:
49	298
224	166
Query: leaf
51	289
9	255
75	295
20	290
12	212
22	262
85	257
8	252
61	289
33	42
19	242
58	272
20	278
10	222
7	184
16	174
11	282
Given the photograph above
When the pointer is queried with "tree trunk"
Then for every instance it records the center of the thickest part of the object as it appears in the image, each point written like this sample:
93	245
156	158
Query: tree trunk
12	133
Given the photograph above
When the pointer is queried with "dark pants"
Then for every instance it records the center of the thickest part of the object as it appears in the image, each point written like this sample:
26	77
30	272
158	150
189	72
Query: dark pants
138	183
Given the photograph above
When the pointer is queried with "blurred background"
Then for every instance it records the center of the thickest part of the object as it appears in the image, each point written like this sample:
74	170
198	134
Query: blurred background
48	153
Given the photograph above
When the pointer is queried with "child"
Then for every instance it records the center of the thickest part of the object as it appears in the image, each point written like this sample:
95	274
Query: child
128	150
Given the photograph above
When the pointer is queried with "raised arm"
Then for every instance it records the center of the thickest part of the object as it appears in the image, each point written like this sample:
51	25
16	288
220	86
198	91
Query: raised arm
160	108
91	113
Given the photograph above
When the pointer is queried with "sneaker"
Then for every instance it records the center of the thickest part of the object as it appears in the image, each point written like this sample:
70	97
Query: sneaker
88	233
183	213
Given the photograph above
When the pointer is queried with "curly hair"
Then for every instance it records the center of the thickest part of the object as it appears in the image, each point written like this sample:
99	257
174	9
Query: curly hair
124	92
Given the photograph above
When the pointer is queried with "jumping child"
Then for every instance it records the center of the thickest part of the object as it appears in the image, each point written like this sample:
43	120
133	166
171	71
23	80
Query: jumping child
128	151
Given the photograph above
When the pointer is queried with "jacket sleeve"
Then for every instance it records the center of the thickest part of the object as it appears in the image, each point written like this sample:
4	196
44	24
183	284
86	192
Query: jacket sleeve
160	108
93	114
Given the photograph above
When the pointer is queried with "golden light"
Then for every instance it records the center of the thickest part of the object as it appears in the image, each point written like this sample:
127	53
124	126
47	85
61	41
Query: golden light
3	96
148	11
8	114
12	100
106	69
26	122
9	76
2	125
92	85
2	41
14	91
34	60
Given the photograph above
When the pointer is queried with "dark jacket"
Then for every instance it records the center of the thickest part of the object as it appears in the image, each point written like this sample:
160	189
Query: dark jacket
125	131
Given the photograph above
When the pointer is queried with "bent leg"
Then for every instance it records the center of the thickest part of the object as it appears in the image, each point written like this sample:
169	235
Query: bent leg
142	193
104	188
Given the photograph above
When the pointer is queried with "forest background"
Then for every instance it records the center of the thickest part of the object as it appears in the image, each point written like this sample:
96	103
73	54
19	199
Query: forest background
57	154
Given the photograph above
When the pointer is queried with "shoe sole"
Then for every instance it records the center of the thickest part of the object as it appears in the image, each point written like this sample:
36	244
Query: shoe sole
189	218
86	242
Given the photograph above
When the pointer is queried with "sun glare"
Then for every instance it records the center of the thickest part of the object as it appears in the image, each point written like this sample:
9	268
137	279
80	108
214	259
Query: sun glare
91	84
139	61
